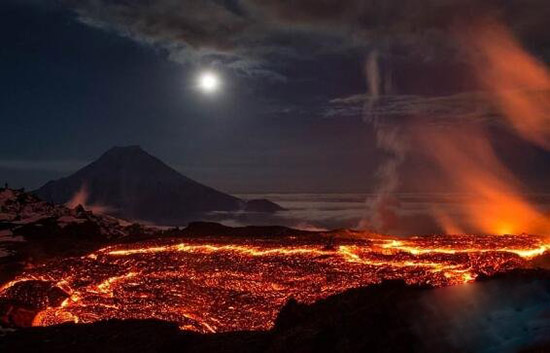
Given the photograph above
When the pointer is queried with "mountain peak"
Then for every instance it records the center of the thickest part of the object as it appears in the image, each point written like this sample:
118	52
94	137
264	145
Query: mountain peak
136	185
122	150
132	158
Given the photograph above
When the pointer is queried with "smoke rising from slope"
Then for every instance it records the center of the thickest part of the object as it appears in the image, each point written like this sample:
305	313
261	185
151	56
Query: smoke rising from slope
80	198
495	202
518	85
383	206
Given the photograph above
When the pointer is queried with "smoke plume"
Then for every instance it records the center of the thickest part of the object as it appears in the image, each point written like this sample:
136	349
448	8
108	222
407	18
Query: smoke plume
383	215
80	198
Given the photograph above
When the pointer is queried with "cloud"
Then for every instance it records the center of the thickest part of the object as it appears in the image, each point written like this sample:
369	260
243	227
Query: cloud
256	37
401	17
192	32
199	24
208	32
468	106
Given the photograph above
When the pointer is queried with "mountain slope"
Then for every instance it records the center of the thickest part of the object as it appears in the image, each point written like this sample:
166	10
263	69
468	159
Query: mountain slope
128	182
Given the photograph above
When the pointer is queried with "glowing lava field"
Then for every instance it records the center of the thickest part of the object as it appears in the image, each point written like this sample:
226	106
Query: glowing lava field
225	284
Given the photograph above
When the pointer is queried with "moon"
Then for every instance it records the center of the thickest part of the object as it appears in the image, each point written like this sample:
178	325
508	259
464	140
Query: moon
208	82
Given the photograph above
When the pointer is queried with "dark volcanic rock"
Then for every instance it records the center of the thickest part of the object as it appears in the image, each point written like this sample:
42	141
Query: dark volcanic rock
50	227
217	229
24	300
147	336
359	320
36	294
130	183
14	314
25	214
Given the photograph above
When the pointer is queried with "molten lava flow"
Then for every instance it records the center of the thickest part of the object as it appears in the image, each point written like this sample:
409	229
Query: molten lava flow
225	284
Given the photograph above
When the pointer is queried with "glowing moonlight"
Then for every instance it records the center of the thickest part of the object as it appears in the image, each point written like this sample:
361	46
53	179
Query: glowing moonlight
208	82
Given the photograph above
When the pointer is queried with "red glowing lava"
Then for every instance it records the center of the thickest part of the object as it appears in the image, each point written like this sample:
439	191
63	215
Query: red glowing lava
226	284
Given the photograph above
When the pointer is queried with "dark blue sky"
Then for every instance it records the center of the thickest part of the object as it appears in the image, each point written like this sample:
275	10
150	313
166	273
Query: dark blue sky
79	78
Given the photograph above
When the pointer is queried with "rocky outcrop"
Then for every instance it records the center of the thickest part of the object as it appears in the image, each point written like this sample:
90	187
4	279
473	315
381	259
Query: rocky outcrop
33	230
27	215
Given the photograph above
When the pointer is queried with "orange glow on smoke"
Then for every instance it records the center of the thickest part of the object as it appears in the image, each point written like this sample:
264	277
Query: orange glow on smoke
209	285
81	198
519	83
496	205
519	86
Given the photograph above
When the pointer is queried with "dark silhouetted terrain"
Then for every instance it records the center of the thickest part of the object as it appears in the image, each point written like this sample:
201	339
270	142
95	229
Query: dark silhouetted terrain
130	183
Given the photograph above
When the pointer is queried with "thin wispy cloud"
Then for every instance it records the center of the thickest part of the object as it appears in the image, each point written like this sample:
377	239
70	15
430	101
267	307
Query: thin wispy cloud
468	106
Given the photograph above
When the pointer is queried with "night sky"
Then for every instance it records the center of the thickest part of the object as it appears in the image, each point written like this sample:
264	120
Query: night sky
79	77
